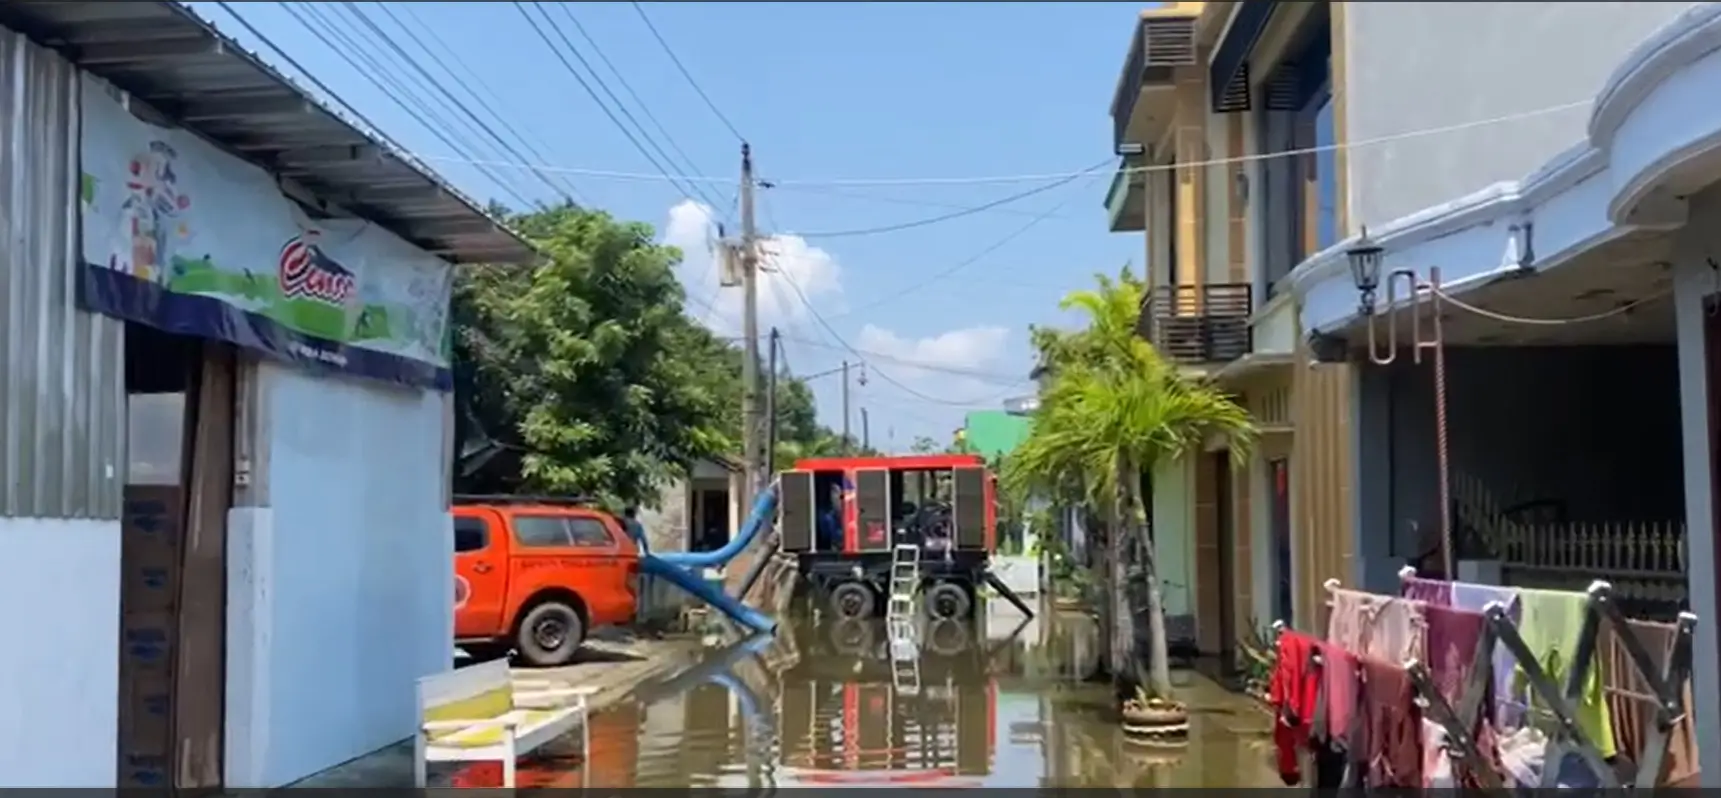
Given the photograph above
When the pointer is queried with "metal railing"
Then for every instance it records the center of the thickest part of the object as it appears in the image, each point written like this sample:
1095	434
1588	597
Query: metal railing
1199	323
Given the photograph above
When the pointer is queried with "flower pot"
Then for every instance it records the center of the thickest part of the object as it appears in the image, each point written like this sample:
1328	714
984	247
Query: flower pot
1163	720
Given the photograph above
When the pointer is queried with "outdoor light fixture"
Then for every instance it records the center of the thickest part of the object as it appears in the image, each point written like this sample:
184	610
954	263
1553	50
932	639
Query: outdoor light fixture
1365	257
1129	149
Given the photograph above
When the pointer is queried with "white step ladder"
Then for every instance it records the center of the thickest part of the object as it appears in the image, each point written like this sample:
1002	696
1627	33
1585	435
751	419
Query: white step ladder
904	655
904	581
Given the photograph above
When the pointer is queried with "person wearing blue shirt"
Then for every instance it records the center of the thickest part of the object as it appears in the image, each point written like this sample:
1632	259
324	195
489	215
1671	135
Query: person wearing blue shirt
635	530
830	522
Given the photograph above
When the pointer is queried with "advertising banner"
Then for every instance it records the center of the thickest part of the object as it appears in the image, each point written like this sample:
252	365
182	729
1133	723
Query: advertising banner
181	236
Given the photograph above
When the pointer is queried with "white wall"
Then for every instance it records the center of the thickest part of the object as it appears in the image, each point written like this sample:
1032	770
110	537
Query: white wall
341	591
59	675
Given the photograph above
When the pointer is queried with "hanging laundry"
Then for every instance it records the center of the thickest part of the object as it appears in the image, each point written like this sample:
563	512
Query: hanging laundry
1475	598
1429	591
1339	674
1631	703
1392	726
1550	622
1292	692
1386	627
1452	639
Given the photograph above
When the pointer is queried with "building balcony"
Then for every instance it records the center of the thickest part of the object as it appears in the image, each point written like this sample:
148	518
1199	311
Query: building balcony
1198	324
1126	200
1164	40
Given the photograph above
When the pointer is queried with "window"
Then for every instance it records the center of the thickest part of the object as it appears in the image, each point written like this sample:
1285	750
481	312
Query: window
589	532
470	534
546	531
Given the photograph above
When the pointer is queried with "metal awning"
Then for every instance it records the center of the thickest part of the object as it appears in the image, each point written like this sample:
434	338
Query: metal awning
165	55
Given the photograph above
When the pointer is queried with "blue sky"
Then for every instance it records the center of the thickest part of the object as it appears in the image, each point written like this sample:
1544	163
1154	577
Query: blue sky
830	95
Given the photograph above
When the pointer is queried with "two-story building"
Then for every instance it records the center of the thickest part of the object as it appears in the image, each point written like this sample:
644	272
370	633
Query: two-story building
1580	303
225	419
1253	138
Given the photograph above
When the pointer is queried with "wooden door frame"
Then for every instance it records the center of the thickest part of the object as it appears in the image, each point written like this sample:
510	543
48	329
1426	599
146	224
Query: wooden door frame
200	667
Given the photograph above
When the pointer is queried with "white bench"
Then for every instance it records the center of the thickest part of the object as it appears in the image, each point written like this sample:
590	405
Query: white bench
474	714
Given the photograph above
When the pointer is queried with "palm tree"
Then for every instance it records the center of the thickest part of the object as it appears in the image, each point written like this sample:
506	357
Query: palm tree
1111	409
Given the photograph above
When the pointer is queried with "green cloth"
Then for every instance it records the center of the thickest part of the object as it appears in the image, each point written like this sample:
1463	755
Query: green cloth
991	433
1550	624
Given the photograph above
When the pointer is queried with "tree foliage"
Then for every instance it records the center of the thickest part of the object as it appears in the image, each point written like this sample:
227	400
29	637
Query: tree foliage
1110	410
585	376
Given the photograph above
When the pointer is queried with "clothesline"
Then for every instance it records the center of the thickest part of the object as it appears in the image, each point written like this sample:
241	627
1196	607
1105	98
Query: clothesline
1393	694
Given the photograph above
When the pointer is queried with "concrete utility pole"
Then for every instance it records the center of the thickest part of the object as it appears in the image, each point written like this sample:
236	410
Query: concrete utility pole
752	465
866	434
848	448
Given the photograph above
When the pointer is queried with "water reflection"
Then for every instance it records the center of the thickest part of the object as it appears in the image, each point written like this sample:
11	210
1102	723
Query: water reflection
992	703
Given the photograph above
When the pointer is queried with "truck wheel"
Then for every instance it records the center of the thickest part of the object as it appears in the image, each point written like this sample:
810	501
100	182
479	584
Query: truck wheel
852	600
948	600
549	635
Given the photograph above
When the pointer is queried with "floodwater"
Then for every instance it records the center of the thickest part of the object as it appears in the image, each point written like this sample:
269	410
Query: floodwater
999	702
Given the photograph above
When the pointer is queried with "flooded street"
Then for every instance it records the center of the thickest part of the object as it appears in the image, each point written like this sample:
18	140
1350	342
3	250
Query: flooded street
995	703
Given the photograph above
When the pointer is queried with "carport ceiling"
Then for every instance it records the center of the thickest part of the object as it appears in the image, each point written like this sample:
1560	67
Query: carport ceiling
1624	271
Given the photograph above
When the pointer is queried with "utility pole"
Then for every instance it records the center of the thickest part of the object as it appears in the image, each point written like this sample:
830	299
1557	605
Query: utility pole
771	407
848	445
750	422
866	434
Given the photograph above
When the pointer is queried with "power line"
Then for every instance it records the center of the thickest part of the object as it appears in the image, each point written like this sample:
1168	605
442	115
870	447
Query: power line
670	51
836	192
995	377
580	79
378	77
1034	178
453	54
945	217
412	63
965	262
626	87
882	374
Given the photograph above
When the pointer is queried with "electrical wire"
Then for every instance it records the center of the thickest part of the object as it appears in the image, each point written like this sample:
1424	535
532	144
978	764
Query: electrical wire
347	50
1593	317
997	378
584	84
674	59
1034	178
412	63
627	88
964	263
837	192
945	217
450	53
882	374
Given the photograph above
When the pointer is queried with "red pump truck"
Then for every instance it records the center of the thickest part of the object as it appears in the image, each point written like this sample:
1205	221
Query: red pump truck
843	517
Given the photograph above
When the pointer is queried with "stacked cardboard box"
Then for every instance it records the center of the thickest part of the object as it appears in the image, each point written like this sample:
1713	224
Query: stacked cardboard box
153	531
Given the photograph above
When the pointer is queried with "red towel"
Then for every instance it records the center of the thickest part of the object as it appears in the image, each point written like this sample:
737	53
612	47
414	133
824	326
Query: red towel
1292	693
1392	726
1452	639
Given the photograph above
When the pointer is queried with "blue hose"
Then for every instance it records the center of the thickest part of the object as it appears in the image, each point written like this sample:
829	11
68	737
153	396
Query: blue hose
763	508
660	566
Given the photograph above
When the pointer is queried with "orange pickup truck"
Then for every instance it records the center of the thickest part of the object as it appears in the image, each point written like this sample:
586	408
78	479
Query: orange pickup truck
534	575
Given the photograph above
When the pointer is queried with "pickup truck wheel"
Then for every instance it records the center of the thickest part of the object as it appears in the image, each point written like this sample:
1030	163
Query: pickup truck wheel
549	635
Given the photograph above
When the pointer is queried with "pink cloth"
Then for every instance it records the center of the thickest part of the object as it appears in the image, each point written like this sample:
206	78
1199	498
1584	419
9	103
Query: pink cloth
1429	591
1347	624
1339	672
1384	627
1452	639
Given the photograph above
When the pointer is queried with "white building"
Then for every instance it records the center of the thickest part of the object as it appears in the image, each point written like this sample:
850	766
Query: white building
1605	421
224	410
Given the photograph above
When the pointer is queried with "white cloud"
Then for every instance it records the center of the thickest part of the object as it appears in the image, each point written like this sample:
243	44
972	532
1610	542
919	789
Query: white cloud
786	259
971	349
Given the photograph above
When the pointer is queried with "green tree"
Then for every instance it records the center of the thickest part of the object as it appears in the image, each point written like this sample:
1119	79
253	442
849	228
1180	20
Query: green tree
583	375
1111	409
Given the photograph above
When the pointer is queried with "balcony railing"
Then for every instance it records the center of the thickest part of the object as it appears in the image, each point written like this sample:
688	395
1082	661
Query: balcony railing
1198	323
1160	43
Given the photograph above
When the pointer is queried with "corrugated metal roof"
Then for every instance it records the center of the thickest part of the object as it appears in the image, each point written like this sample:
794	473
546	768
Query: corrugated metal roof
165	55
